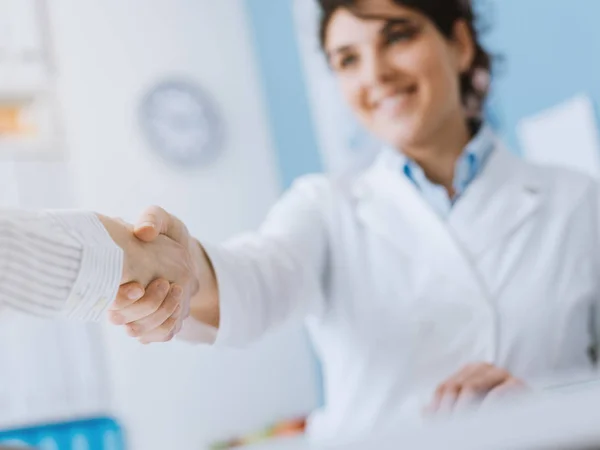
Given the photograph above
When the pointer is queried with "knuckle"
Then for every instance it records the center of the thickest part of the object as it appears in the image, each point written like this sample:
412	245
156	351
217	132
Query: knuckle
154	304
441	389
121	301
179	313
169	325
176	291
453	387
473	367
176	312
116	318
155	301
505	373
171	305
476	386
134	330
166	336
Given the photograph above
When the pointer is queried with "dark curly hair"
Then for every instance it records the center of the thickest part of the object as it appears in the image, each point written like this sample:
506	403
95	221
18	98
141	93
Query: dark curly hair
444	14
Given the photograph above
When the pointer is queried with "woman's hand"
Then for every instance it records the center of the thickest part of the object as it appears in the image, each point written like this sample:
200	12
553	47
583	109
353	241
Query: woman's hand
473	384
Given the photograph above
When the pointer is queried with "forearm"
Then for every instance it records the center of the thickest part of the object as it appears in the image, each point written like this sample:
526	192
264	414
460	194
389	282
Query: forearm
57	264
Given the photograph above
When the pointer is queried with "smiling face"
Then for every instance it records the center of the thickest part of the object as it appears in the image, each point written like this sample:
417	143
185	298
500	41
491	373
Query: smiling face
397	71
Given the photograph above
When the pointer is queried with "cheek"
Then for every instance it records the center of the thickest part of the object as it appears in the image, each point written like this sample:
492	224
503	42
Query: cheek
353	94
429	66
442	80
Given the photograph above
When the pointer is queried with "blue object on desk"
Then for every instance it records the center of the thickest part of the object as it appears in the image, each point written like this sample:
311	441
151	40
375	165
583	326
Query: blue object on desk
93	434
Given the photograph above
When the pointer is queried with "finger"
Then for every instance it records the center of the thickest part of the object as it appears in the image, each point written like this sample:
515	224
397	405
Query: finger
155	221
470	371
128	294
487	380
151	223
457	379
170	308
468	398
156	292
164	333
179	326
449	397
445	396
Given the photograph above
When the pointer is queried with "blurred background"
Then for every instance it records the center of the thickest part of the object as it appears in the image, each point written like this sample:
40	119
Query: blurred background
210	109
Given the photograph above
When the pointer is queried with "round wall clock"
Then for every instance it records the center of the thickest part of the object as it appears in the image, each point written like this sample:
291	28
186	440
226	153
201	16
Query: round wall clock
181	123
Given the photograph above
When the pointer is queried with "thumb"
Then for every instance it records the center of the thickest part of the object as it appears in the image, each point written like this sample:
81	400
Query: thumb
155	221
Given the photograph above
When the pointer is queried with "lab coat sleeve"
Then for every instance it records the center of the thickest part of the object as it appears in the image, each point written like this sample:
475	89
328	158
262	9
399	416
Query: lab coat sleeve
273	275
57	264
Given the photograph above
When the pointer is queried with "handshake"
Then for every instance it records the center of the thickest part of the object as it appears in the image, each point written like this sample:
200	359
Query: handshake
166	277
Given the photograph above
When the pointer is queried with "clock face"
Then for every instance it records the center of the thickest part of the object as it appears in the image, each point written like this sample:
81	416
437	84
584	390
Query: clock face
181	123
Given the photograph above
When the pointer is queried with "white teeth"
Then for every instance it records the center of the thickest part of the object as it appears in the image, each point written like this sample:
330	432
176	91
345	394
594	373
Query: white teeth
390	104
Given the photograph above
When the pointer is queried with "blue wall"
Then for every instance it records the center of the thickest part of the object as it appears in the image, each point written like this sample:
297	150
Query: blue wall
551	50
272	23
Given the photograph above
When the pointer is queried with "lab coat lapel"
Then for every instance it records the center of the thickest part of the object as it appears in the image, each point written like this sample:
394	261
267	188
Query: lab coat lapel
392	206
501	200
452	315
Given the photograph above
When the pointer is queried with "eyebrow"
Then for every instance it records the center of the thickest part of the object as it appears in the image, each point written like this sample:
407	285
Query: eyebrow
389	23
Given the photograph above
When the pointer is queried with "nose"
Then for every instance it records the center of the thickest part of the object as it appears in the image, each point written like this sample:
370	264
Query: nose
376	69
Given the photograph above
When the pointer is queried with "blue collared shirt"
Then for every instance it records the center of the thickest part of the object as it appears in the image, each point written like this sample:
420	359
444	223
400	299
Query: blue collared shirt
468	166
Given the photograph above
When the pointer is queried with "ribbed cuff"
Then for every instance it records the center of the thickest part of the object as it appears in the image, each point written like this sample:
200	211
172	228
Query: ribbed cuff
101	266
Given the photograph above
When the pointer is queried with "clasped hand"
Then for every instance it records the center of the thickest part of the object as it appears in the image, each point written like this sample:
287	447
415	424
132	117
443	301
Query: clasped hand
159	275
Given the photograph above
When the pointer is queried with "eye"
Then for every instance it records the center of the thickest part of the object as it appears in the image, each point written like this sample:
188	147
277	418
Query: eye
347	61
398	36
344	61
399	33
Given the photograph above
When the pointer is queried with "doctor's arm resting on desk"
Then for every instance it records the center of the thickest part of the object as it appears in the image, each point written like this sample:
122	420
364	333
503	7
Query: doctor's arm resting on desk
70	264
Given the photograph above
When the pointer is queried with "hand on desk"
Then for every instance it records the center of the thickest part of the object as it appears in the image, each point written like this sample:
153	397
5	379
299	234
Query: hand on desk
475	383
159	279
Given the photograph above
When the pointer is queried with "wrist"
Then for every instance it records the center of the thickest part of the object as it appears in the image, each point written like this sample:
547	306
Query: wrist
122	235
204	305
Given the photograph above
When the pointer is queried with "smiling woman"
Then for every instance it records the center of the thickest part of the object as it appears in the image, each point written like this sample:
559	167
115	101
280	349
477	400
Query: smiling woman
409	70
441	276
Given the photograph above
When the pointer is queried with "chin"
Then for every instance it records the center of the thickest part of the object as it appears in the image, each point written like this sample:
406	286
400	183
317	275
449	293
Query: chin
403	138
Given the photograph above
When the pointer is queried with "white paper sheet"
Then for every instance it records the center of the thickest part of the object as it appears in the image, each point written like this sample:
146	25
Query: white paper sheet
565	135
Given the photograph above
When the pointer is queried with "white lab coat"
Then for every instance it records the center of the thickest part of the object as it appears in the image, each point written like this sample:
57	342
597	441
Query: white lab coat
398	299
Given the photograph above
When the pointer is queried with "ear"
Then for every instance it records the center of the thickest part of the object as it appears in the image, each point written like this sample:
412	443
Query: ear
464	46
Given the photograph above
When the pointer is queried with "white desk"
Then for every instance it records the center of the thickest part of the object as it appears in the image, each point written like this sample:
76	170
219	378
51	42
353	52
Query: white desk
552	421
